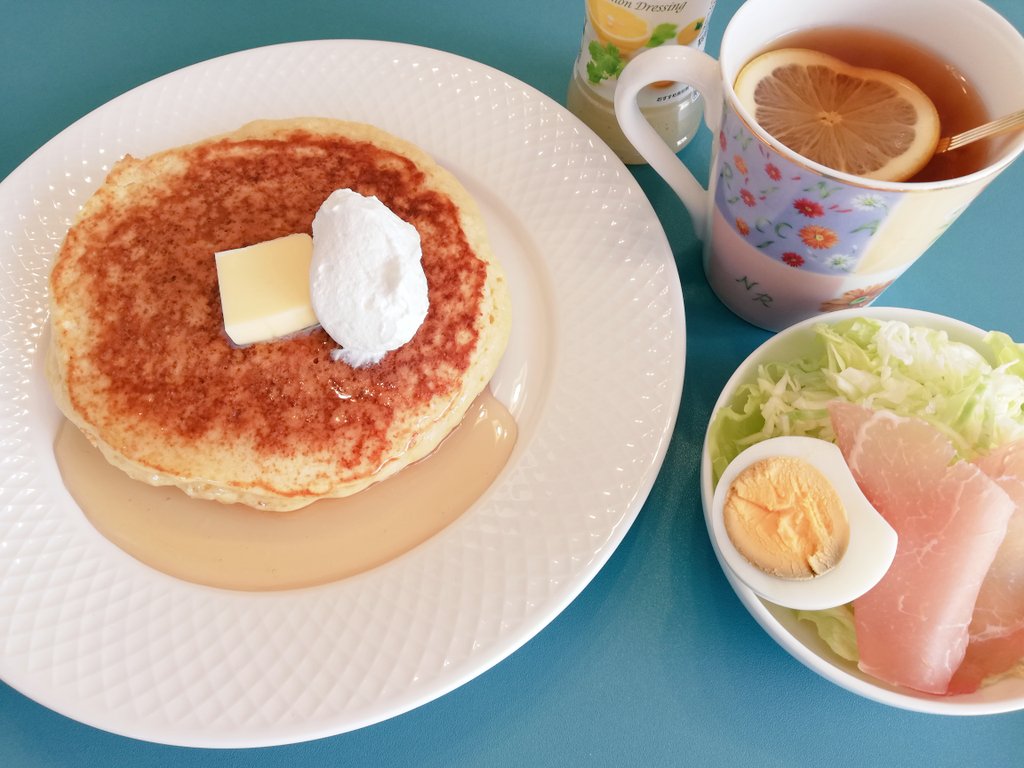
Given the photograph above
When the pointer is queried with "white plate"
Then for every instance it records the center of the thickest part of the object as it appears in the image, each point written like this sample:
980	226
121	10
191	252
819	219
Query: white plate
593	376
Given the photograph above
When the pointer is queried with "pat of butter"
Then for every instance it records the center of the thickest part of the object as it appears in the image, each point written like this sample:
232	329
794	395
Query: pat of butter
264	289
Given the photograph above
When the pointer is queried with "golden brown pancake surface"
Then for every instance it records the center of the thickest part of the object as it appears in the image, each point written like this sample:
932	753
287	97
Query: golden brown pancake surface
141	362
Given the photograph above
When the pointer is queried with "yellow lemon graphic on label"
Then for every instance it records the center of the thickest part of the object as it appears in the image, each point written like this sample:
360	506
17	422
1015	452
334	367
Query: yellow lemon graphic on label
690	32
617	25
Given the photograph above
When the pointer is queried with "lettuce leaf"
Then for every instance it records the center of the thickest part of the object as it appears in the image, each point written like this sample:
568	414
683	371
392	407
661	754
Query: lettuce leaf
882	364
1008	354
835	627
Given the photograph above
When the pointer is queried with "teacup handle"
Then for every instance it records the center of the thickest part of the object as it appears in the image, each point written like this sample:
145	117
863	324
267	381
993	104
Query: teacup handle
695	68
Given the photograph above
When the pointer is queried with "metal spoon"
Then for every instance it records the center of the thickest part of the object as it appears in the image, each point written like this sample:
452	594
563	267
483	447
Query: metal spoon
1011	122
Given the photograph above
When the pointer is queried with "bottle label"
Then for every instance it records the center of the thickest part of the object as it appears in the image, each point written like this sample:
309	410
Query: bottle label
617	30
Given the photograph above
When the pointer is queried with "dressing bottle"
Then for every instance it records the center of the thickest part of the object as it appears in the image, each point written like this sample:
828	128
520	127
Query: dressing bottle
614	32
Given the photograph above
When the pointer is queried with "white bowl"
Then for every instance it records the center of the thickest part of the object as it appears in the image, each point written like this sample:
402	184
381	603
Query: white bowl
800	638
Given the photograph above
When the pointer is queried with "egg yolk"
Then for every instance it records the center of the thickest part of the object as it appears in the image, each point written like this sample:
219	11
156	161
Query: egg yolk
785	517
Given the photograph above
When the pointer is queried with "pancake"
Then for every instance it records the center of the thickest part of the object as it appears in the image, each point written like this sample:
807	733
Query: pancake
139	359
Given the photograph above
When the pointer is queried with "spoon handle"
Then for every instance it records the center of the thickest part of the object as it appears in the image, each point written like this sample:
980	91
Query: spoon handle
1010	122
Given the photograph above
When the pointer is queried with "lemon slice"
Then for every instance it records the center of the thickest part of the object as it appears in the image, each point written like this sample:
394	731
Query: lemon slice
866	122
690	32
617	25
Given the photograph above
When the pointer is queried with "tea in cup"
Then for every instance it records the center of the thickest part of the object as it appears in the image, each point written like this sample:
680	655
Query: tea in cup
787	237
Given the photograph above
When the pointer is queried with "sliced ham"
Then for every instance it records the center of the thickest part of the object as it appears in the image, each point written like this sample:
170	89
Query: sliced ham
997	628
912	627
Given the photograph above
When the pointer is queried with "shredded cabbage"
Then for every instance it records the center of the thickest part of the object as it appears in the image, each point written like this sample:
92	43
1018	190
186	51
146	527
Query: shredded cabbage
977	400
882	364
835	626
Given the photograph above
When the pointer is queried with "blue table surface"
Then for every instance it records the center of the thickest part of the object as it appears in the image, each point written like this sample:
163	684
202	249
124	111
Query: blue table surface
656	662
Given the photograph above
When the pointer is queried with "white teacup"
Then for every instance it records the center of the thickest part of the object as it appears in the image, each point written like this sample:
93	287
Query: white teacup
818	239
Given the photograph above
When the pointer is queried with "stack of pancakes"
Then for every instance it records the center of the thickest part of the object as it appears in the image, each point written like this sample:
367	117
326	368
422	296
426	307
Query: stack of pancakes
139	359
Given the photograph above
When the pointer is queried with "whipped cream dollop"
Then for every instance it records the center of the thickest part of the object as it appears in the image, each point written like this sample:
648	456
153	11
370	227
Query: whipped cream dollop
367	285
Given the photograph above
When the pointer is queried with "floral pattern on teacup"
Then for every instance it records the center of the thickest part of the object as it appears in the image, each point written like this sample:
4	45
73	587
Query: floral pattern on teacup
856	297
790	213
